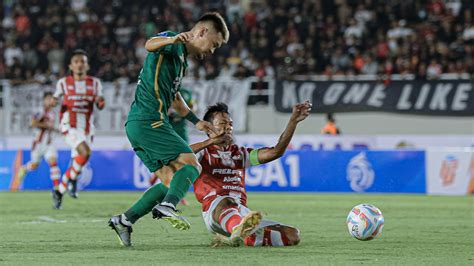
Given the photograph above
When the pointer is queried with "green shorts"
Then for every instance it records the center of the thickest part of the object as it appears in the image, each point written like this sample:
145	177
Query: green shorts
155	142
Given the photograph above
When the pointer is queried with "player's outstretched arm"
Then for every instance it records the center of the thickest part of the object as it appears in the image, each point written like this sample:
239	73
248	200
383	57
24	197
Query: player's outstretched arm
300	112
217	140
41	125
180	106
158	42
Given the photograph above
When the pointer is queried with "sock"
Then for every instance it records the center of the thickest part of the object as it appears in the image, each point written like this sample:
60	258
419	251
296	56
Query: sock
229	218
64	180
76	167
55	174
268	238
72	172
180	184
147	201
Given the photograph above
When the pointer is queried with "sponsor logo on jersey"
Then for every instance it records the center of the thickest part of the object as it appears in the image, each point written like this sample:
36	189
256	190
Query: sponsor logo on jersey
226	158
232	179
226	171
237	157
80	97
237	188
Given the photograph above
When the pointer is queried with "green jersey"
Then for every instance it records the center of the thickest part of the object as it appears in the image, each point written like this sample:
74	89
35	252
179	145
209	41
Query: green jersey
158	82
178	122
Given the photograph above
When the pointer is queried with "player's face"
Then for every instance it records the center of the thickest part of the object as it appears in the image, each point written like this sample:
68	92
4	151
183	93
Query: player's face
207	41
223	123
79	64
48	101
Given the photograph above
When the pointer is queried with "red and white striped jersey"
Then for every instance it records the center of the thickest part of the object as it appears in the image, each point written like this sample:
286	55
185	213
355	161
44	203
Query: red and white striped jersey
43	136
223	174
77	106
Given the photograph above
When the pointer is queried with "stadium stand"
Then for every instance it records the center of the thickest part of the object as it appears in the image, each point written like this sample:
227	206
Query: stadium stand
281	39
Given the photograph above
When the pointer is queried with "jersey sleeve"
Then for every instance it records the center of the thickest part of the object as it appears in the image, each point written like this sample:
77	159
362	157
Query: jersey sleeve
187	96
200	155
168	49
99	89
59	89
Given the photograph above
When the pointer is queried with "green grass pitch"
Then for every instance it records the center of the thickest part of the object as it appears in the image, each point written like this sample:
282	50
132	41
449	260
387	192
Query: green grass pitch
421	230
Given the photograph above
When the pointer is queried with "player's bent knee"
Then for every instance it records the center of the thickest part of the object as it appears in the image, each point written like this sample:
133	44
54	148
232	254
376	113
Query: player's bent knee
293	236
52	162
84	150
34	166
196	164
165	174
225	203
190	159
228	202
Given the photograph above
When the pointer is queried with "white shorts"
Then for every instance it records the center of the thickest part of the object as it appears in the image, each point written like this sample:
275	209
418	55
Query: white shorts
214	226
74	137
41	150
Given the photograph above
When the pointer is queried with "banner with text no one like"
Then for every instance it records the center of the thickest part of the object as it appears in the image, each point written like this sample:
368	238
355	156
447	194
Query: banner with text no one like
432	98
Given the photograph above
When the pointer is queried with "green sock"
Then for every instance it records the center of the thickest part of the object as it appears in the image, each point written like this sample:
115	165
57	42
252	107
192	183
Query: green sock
145	204
180	184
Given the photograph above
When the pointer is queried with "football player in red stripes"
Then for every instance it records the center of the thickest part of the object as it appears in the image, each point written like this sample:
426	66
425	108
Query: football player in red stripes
81	94
43	124
221	190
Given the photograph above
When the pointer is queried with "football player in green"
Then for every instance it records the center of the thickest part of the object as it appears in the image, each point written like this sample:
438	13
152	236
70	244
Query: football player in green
149	130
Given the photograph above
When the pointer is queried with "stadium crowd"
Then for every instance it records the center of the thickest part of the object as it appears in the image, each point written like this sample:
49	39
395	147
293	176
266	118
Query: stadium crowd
267	38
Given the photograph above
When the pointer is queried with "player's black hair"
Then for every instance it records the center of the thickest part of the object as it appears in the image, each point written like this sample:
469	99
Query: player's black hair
218	22
330	117
213	109
78	52
47	94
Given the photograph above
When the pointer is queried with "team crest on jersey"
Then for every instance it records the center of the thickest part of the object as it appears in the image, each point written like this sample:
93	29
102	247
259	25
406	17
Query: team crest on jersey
237	157
70	88
226	158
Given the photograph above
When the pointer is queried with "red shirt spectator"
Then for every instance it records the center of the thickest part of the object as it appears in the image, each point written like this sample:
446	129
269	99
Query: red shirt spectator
22	23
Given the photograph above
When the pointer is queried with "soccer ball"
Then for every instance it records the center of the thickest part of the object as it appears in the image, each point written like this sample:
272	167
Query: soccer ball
365	222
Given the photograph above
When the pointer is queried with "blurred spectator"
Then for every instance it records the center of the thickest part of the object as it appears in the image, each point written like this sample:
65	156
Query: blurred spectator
11	53
330	128
267	38
434	70
56	58
468	33
242	72
370	66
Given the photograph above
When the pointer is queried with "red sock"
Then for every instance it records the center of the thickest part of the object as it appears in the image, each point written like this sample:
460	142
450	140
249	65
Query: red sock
76	166
229	218
268	238
250	240
55	174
